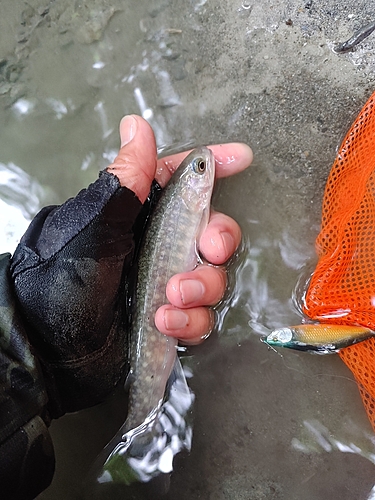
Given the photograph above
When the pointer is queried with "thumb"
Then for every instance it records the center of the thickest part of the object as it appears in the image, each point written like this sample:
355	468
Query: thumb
135	164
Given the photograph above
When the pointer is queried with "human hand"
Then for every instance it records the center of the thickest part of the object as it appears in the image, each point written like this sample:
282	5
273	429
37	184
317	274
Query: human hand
188	316
70	272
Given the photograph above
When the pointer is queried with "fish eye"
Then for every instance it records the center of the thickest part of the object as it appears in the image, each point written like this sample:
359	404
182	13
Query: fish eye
200	166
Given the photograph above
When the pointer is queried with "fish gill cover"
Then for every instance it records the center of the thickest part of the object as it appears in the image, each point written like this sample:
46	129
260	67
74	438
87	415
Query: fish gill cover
342	288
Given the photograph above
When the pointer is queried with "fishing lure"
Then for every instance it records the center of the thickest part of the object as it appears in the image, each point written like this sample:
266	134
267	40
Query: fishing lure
354	40
319	338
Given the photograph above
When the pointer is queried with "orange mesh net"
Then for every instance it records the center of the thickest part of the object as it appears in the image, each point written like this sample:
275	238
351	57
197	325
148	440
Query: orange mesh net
342	289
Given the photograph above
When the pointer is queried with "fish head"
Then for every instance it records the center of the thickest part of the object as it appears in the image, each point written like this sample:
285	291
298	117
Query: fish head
196	176
280	337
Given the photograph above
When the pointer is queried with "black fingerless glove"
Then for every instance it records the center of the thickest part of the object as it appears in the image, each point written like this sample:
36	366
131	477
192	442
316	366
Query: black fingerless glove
69	273
64	322
26	453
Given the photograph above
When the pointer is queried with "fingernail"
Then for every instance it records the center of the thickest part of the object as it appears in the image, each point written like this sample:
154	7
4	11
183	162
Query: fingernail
191	291
128	129
175	320
228	243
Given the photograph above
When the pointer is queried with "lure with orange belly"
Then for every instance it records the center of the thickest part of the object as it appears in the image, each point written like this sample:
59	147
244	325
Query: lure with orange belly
319	338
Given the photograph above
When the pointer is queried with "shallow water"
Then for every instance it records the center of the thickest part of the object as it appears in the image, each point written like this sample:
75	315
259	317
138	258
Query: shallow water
267	425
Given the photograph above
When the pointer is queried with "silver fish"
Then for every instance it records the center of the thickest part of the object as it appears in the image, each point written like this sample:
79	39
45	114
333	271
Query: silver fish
155	429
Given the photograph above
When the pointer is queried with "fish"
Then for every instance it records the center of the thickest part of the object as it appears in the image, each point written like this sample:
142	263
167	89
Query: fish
318	338
159	399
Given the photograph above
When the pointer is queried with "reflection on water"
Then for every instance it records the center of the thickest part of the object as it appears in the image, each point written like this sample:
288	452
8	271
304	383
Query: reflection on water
266	425
254	293
146	452
18	189
319	438
12	225
21	197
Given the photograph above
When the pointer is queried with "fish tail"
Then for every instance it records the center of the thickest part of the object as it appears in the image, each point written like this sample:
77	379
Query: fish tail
147	451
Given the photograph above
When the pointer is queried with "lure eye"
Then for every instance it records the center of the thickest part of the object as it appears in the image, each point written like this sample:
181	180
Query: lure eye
200	166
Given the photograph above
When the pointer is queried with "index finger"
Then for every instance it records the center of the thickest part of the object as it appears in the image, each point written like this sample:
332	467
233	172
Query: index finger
230	159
